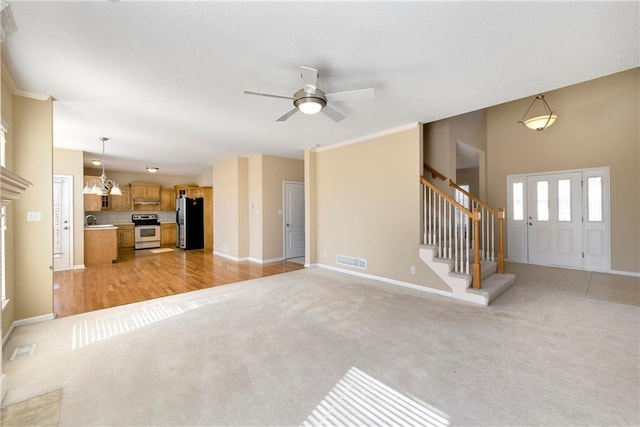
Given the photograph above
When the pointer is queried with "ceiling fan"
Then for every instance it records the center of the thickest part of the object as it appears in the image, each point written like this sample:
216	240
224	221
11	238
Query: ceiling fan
311	100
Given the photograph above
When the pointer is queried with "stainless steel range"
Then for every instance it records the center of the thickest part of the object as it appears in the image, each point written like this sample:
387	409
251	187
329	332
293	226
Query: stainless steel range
147	231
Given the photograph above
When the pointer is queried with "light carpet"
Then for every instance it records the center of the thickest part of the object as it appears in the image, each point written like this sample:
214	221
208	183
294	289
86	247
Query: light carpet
278	350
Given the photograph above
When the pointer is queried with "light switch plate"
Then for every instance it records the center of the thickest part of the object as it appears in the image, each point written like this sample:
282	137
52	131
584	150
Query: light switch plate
34	216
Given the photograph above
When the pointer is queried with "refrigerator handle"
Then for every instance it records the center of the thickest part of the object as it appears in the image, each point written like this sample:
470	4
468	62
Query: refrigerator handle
178	216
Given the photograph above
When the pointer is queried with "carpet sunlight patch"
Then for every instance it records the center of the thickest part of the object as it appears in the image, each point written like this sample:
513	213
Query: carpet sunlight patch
359	399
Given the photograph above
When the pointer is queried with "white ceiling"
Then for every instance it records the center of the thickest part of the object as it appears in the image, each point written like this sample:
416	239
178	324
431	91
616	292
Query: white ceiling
164	80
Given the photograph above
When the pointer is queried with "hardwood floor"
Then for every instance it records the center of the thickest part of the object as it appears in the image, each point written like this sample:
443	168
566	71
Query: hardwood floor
143	275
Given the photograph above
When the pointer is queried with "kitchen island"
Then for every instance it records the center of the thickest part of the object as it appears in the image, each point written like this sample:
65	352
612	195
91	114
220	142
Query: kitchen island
100	244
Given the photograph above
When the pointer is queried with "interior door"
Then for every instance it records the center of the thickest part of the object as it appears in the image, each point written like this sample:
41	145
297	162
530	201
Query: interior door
293	220
554	219
62	187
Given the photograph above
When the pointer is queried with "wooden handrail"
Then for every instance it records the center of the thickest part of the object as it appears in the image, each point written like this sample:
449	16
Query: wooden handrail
467	212
434	173
496	212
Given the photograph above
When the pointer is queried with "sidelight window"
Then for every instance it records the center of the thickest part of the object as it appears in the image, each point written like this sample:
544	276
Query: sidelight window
594	199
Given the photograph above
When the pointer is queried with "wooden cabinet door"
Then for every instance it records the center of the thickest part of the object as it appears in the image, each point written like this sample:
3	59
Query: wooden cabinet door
168	234
121	203
167	200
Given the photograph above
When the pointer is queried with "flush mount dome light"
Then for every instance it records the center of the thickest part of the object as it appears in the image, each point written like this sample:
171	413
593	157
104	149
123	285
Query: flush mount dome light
152	169
309	103
539	122
96	162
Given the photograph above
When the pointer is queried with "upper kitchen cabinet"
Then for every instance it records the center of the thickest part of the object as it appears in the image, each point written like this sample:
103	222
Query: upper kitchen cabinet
121	203
92	202
145	196
187	191
167	199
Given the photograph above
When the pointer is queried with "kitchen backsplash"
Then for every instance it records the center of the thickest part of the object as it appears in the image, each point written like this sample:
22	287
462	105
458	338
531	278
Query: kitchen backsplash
106	217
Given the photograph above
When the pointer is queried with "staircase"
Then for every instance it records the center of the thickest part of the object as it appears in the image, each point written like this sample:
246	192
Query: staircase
463	245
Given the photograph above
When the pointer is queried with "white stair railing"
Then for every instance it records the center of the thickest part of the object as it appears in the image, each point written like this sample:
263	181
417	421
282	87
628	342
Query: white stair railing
449	227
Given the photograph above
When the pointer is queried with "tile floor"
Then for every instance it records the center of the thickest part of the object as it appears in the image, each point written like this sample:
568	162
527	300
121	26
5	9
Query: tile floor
587	284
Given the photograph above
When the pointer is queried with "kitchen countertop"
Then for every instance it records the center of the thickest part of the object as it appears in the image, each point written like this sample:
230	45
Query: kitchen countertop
100	227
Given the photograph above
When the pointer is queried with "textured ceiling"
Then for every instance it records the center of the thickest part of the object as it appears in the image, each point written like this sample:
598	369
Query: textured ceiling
164	80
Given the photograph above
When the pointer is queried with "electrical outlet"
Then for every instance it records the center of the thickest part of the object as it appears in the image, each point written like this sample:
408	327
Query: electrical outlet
413	270
324	254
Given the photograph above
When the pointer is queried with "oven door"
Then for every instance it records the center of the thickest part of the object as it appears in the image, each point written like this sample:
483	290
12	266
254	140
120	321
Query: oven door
147	236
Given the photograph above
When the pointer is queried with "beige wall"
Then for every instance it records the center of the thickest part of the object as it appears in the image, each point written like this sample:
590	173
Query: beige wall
275	171
33	159
255	207
69	162
310	207
225	197
368	206
470	176
597	126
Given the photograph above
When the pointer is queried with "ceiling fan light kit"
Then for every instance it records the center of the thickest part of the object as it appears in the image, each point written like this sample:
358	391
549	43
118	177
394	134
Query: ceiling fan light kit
311	100
309	103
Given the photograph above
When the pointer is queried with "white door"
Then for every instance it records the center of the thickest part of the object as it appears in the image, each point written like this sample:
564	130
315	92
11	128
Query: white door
62	208
560	219
554	220
293	220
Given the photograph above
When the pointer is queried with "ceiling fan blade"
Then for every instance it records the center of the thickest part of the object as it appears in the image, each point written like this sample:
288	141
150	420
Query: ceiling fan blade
270	95
286	115
351	95
335	115
310	79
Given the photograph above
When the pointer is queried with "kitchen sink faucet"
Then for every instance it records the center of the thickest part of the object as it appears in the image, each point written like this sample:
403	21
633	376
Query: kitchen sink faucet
90	220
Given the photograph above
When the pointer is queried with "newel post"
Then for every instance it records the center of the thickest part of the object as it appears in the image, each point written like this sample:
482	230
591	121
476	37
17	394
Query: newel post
477	274
501	241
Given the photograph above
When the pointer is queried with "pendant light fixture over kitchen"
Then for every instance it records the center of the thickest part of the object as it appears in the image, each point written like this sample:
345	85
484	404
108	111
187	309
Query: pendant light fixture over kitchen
102	186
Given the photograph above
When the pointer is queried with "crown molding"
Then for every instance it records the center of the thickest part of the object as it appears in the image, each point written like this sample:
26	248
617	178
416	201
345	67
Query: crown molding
368	137
17	91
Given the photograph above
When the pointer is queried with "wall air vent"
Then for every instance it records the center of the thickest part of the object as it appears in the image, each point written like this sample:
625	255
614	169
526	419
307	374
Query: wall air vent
350	261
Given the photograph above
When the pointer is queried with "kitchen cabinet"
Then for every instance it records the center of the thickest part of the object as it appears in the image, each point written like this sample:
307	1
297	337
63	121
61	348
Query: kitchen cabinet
121	203
145	196
100	246
186	190
167	199
125	235
92	202
168	233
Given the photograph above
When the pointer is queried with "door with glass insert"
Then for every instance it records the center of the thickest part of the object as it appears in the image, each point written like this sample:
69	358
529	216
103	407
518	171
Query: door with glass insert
554	219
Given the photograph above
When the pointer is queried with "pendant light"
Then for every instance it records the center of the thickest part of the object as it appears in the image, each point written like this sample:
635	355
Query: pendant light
102	186
539	122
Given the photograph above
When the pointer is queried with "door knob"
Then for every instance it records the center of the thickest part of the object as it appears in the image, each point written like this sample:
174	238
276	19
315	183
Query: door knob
530	223
65	228
287	224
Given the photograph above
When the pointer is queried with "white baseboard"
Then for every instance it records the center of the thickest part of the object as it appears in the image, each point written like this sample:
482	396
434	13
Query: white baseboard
27	321
625	273
387	280
231	257
265	261
78	267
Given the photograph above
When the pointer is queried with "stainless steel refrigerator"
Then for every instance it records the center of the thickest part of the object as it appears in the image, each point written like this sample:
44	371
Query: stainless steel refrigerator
190	223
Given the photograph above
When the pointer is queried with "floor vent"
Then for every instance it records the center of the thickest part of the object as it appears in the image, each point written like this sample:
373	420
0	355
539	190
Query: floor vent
350	261
23	351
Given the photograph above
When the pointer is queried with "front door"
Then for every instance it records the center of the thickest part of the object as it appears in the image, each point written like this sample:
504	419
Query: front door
559	219
62	258
293	220
554	221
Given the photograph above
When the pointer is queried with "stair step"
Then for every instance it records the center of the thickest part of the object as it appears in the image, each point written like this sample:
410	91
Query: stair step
493	286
